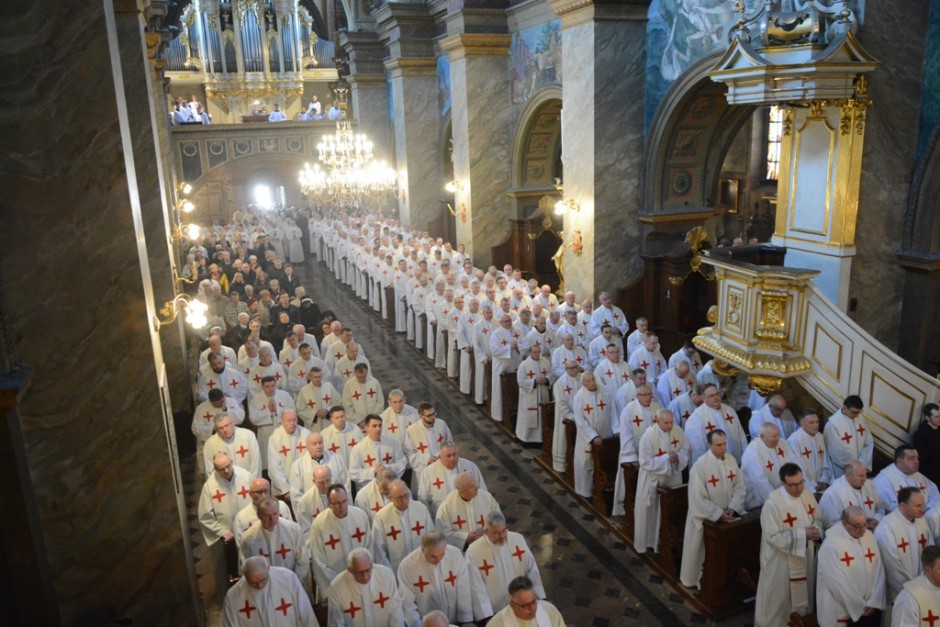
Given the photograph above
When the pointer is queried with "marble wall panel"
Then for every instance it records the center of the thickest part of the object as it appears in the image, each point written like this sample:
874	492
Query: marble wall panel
898	40
416	147
369	99
92	421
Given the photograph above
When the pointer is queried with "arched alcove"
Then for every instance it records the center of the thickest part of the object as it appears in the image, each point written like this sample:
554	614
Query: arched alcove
537	141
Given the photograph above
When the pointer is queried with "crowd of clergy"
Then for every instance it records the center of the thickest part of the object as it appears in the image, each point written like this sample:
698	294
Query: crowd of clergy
366	500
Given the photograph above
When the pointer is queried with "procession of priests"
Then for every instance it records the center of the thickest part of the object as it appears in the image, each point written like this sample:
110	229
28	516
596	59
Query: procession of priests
301	404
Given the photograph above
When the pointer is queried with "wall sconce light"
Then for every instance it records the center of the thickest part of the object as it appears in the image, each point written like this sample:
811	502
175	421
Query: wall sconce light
184	188
185	205
454	186
190	231
195	312
565	205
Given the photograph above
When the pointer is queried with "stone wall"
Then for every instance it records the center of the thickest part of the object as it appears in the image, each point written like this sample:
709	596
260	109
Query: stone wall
76	278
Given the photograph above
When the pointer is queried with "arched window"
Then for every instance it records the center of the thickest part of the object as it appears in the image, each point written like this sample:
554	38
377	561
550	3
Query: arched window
774	136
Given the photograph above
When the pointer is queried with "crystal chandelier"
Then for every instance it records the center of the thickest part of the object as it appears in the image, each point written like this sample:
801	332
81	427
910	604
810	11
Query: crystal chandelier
345	149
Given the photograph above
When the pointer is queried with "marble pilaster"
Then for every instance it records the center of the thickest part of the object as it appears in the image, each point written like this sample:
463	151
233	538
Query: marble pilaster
77	283
368	88
480	120
604	58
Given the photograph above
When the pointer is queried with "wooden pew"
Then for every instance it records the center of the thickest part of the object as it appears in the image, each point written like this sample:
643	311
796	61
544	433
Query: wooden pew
451	353
391	306
231	561
631	473
432	337
421	326
673	508
606	467
547	416
798	620
732	561
571	434
510	389
488	381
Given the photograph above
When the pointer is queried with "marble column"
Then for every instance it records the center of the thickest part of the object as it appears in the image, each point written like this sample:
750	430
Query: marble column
96	436
604	61
480	118
368	88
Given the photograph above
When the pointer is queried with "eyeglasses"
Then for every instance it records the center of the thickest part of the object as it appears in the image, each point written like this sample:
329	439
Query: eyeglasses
799	484
525	606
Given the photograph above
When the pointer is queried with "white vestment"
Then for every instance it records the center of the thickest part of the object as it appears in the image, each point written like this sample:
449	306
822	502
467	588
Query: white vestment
204	419
850	577
220	501
505	354
612	374
264	418
705	419
341	442
493	566
593	419
917	604
366	453
848	440
787	558
564	391
786	423
652	362
248	517
301	473
370	500
396	533
901	542
437	482
258	372
444	586
715	486
284	546
311	400
375	604
283	450
421	444
682	407
671	386
297	372
331	540
840	495
810	452
362	399
457	518
561	354
656	471
761	466
231	381
546	615
282	602
394	424
890	481
308	507
531	395
242	449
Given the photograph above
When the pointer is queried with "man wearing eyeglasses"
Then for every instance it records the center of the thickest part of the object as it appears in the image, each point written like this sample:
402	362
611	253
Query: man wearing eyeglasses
365	594
247	517
848	436
267	595
790	533
525	608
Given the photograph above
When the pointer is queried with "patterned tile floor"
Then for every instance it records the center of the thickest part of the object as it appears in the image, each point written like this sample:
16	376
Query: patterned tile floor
593	578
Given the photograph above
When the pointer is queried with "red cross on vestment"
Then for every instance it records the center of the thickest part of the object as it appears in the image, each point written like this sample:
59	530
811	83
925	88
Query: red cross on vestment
352	443
332	542
660	452
714	481
601	405
346	373
790	519
376	507
568	390
904	544
637	420
283	607
486	568
370	393
393	534
393	427
806	452
421	583
351	610
422	447
241	451
257	378
311	404
359	535
283	551
368	461
233	383
333	447
518	553
848	559
437	483
731	476
729	418
208	416
284	450
868	502
418	528
930	618
210	384
870	555
218	495
675	442
451	578
847	437
861	430
459	522
922	542
248	609
770	465
381	600
326	399
810	510
530	374
357	395
387	458
644	364
709	427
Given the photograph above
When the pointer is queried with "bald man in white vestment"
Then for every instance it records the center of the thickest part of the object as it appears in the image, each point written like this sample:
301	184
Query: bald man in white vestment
374	496
649	358
851	578
505	353
761	464
564	391
248	515
334	533
239	444
594	422
809	447
713	414
495	559
204	420
461	516
919	601
534	378
267	595
266	367
280	541
434	576
438	480
314	500
626	393
851	489
774	411
789	536
302	472
673	383
315	399
398	527
365	594
608	313
635	419
612	371
567	351
215	345
717	490
267	410
664	454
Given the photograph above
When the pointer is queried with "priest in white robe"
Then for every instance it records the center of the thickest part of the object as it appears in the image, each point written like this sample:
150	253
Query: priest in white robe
315	399
266	410
423	440
398	416
790	534
809	448
713	414
564	391
534	377
204	420
525	608
374	496
280	541
918	604
364	594
266	367
664	454
568	351
482	352
465	331
267	595
505	352
635	419
626	393
761	463
608	313
673	383
434	576
375	453
635	339
495	559
314	500
218	375
684	405
690	355
774	411
851	489
302	472
649	358
851	577
902	536
462	514
717	489
298	370
334	533
594	422
848	436
398	527
341	435
439	479
239	444
905	472
362	395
